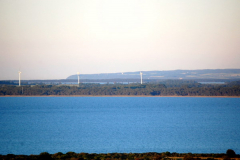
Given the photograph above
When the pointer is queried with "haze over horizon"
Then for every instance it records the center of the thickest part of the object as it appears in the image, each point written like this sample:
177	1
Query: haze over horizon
55	39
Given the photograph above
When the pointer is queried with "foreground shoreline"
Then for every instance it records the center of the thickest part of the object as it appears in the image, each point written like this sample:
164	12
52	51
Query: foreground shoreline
126	156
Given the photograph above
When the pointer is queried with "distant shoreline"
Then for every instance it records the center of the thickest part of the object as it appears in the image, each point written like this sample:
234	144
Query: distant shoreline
170	89
116	96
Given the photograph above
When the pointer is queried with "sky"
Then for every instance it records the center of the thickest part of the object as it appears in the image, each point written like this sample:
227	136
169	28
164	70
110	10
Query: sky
53	39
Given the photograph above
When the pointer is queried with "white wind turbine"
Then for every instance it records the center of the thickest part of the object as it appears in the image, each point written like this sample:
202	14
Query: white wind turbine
19	74
141	76
78	78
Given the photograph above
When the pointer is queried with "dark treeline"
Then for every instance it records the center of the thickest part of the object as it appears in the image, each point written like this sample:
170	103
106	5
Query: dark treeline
230	155
165	88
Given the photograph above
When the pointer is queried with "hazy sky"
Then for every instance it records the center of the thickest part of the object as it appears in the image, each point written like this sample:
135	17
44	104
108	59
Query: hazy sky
52	39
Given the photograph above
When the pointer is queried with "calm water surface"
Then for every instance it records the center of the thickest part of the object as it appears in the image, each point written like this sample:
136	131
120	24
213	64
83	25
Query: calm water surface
31	125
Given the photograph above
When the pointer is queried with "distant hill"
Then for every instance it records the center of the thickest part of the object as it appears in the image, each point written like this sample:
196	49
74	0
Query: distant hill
172	74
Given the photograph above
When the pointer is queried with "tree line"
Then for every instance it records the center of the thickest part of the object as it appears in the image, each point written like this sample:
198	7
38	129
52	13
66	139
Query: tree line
166	88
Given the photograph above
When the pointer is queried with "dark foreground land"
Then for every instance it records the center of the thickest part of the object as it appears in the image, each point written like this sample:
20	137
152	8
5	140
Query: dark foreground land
165	88
230	155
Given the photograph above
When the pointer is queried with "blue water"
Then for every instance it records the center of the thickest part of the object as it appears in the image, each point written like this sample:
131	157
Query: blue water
31	125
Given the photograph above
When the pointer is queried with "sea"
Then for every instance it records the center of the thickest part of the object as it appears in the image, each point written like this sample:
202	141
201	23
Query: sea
31	125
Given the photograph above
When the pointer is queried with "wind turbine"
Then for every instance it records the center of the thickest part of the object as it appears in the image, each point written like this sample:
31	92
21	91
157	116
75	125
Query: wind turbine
19	73
141	76
78	78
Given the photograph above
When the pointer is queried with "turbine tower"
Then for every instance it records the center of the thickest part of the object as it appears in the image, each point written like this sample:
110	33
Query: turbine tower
141	76
19	73
78	78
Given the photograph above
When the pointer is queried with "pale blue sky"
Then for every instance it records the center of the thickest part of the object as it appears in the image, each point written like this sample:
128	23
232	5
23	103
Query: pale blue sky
52	39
